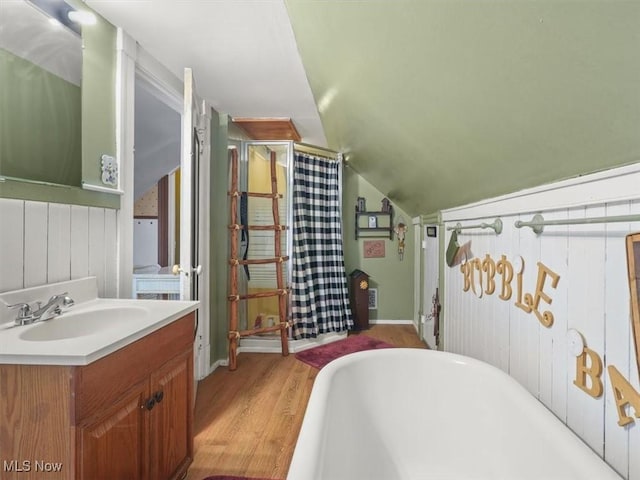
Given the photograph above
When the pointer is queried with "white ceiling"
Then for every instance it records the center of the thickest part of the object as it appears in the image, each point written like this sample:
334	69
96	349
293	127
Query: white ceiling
243	54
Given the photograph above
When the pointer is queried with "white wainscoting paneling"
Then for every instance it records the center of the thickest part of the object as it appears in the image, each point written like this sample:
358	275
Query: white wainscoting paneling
43	243
59	243
110	254
617	334
592	296
79	241
11	245
35	243
585	285
97	247
554	375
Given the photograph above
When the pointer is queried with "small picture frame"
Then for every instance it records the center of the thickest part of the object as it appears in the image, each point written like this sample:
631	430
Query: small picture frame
373	221
432	232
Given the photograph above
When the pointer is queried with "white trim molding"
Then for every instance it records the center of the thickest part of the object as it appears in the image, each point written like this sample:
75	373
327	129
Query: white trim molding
272	345
381	321
614	185
216	364
101	189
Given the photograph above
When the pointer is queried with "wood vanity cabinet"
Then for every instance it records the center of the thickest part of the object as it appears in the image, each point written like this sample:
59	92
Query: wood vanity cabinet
128	415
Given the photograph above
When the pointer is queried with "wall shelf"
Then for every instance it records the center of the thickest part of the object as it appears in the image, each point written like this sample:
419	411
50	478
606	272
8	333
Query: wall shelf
372	224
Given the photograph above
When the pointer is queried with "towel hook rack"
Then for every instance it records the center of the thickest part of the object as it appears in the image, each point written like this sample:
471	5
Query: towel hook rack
537	223
496	226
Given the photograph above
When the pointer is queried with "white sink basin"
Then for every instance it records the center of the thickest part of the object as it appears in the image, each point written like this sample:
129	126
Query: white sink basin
80	323
93	328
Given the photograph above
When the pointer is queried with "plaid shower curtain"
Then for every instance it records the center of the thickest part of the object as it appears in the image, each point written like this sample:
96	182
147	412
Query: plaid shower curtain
319	294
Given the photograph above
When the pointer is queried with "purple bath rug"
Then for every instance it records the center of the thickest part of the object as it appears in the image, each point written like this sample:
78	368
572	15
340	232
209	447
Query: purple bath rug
318	357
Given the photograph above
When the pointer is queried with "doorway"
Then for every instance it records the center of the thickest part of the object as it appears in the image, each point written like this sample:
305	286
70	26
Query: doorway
432	295
156	215
169	184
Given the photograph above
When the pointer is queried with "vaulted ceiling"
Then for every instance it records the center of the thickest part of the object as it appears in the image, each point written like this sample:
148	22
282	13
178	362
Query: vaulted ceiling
436	103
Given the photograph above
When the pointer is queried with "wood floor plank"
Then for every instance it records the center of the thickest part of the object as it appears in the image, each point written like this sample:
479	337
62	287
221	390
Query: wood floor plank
247	421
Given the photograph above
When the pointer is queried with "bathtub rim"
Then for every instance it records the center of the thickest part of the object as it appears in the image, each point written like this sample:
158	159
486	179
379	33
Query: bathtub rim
309	447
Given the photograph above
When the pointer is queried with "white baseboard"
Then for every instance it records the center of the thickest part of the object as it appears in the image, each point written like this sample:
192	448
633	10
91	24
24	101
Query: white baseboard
391	322
307	343
202	368
216	364
272	345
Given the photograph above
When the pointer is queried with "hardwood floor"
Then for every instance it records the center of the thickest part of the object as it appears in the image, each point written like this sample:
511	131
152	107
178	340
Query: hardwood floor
247	421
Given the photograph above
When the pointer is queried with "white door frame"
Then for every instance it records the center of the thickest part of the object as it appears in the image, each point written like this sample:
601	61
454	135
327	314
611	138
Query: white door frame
132	60
196	117
431	278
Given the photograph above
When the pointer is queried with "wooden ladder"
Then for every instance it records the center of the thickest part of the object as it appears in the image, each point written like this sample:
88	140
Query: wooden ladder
278	259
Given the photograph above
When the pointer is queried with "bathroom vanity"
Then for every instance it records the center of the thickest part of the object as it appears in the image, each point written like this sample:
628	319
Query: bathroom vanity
119	406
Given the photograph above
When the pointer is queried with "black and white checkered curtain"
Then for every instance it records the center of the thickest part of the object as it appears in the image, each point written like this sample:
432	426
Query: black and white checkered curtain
319	294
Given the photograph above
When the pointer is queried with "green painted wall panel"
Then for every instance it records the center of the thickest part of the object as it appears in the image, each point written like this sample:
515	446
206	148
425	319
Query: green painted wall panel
392	277
219	240
41	192
98	98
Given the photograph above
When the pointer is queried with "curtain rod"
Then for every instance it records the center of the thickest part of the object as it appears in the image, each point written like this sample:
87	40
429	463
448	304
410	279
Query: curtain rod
318	151
538	222
496	226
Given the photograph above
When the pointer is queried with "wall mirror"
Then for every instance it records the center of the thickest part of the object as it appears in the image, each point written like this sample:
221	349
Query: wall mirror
46	129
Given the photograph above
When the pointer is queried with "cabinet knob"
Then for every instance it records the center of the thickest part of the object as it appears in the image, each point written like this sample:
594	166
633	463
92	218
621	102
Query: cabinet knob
158	396
149	403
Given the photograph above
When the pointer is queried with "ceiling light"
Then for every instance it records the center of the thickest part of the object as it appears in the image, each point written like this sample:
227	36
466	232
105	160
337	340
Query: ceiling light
58	10
82	17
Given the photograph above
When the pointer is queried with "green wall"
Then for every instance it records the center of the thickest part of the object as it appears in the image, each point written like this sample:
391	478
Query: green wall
392	277
98	98
219	240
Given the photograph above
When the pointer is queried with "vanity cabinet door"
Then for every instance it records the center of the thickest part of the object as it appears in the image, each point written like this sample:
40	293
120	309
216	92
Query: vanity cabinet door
113	444
171	439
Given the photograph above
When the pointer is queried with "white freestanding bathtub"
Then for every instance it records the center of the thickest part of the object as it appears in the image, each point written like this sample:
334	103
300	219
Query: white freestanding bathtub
419	414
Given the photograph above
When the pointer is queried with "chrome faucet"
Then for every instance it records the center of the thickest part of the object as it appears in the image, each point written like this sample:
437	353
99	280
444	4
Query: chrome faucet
53	308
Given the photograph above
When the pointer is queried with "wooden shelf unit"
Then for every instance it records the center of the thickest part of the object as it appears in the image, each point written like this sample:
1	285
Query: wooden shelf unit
281	291
385	230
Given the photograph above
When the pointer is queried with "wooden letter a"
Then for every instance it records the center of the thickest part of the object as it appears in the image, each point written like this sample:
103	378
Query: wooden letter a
624	394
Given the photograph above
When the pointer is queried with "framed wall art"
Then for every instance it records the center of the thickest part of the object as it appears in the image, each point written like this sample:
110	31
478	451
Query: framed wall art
373	248
633	265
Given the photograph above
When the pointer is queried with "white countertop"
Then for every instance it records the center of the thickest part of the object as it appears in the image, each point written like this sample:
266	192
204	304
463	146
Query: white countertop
88	346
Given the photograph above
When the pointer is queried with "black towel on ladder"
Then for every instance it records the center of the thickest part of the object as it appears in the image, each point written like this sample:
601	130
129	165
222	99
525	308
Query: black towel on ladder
244	236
